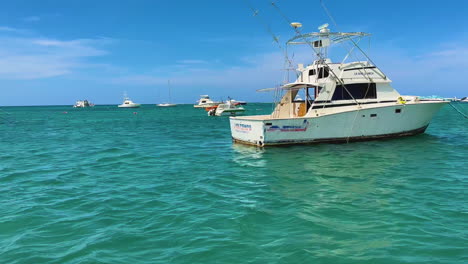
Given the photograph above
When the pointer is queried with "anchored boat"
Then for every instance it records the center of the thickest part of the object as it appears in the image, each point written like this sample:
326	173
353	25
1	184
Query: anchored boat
170	98
128	103
205	102
228	108
83	104
342	101
235	102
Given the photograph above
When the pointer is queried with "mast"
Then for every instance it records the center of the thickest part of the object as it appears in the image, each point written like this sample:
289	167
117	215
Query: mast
169	88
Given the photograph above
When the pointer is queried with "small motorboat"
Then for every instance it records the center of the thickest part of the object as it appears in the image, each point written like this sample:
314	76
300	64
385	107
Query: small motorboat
128	103
166	105
205	102
235	102
82	104
226	109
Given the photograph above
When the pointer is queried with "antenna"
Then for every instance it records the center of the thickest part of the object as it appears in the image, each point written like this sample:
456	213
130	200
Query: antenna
296	25
324	28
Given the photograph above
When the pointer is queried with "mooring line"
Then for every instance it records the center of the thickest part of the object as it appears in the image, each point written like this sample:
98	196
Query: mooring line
458	110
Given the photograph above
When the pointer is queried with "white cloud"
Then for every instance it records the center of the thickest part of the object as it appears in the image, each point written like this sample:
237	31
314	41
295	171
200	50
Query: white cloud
261	69
31	58
439	71
436	71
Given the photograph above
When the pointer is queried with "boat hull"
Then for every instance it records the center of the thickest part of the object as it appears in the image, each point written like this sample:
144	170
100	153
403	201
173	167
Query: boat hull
129	106
357	125
230	112
205	105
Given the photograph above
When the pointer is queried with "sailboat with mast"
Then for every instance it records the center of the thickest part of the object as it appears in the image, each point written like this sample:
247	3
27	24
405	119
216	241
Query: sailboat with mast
169	104
342	102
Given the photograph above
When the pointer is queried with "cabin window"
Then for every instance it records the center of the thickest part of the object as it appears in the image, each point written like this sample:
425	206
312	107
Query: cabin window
397	111
312	72
373	115
356	91
323	72
317	43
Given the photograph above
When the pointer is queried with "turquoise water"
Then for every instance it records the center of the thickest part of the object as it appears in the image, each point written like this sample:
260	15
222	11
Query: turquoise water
166	185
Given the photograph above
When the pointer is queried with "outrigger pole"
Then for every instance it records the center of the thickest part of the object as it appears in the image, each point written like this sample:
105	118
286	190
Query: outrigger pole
318	54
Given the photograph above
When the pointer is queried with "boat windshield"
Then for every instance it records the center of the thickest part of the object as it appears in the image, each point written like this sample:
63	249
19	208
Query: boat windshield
307	94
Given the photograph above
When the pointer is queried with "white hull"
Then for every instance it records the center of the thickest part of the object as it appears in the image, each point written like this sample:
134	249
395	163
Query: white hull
166	105
129	106
349	125
206	105
230	112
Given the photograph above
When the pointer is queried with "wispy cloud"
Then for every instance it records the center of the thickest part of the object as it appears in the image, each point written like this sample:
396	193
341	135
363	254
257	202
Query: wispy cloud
422	73
192	61
31	19
33	58
437	71
260	71
7	29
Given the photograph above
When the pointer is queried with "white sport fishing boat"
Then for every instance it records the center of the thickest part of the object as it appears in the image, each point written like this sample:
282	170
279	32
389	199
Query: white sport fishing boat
226	109
342	101
205	102
128	103
83	104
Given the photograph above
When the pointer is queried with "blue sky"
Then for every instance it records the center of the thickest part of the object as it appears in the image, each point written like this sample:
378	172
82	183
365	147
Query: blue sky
55	52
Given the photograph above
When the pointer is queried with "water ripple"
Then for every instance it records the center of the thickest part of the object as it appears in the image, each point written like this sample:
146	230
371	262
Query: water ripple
167	186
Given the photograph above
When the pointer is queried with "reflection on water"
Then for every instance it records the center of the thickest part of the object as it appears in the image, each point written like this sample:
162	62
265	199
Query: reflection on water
250	156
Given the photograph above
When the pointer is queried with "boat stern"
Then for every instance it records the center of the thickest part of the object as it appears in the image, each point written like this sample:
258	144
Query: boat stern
248	130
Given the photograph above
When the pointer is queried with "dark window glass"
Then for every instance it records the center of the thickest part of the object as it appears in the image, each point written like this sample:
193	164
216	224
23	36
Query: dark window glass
397	111
317	43
323	72
373	115
356	91
312	72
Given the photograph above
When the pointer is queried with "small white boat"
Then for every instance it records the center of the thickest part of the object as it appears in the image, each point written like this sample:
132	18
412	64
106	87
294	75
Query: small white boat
166	105
170	99
235	102
226	109
464	100
82	104
205	102
127	103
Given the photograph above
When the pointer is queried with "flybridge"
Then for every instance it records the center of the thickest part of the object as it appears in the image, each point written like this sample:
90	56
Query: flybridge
323	38
320	41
